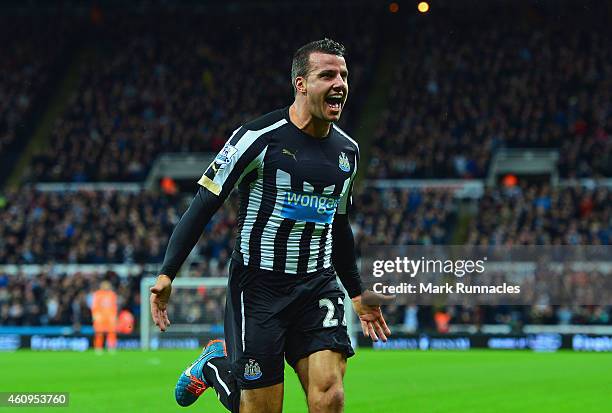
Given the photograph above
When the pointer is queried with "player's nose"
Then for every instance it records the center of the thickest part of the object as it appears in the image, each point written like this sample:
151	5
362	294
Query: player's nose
339	81
339	85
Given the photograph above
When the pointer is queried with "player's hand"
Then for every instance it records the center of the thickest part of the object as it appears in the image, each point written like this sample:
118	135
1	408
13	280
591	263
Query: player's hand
160	295
373	323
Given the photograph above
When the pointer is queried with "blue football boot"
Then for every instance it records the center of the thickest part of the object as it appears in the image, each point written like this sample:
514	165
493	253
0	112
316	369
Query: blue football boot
191	383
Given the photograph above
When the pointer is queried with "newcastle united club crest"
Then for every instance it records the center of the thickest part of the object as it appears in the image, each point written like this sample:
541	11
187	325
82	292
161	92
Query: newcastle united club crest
343	162
252	370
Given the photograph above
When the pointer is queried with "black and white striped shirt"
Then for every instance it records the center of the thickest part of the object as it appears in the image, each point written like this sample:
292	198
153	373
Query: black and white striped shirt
291	185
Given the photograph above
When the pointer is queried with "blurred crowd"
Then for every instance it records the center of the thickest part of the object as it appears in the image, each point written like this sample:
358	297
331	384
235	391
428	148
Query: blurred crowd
443	319
50	298
462	91
85	226
90	227
184	89
59	299
466	90
122	227
29	61
201	306
543	215
96	227
403	217
155	84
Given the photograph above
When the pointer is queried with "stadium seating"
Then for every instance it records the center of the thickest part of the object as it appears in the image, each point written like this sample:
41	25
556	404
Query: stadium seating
99	227
48	299
85	227
403	217
541	215
28	68
51	298
89	227
183	91
158	85
467	90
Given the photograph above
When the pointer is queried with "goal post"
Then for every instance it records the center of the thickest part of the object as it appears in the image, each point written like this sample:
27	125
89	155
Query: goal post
196	312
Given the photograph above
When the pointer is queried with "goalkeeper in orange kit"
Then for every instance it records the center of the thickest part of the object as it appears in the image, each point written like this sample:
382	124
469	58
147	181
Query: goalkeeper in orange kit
104	314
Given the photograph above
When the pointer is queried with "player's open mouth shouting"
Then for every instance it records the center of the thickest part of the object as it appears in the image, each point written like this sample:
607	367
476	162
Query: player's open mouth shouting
335	101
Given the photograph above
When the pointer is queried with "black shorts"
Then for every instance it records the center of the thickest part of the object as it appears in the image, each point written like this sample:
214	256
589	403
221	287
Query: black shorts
272	316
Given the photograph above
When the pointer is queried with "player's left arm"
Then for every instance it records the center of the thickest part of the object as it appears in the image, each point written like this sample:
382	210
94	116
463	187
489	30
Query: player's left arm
344	261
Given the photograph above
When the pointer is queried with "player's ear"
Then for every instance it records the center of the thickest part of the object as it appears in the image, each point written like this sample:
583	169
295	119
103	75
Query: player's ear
300	84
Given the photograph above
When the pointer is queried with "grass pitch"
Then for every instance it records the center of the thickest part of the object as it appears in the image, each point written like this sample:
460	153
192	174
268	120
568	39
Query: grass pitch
376	381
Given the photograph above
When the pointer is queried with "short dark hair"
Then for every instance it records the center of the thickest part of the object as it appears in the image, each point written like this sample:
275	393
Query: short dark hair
301	59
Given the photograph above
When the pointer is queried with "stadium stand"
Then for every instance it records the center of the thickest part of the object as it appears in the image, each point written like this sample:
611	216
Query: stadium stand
185	87
541	215
49	298
403	217
505	84
28	68
85	227
94	227
182	91
88	227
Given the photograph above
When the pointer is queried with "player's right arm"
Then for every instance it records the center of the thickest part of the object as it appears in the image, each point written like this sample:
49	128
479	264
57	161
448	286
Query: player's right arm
238	157
183	239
